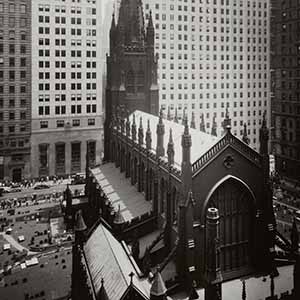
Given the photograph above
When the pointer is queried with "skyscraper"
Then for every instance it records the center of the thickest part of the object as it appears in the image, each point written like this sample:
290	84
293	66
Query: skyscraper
15	89
66	86
213	54
285	66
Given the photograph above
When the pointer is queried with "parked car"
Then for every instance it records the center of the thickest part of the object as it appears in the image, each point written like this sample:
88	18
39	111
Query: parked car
78	178
41	186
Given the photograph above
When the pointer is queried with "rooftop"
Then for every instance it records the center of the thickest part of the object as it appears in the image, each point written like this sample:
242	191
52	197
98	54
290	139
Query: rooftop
120	192
107	258
201	141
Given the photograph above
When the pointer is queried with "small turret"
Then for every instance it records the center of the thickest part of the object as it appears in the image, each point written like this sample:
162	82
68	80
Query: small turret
112	33
245	138
213	290
160	131
214	127
102	295
170	150
128	125
150	31
133	128
141	132
227	121
79	228
263	136
158	289
176	117
169	114
193	124
202	123
148	136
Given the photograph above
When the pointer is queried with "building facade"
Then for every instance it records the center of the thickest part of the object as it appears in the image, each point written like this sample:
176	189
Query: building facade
213	54
66	86
15	89
285	66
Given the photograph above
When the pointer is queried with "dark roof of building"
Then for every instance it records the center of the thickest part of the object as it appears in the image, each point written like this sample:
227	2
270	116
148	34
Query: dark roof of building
107	259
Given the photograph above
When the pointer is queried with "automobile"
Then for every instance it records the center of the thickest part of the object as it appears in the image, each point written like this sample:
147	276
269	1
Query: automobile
78	178
41	186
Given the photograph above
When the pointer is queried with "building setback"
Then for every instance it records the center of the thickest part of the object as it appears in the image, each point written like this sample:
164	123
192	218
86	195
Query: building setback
66	86
212	54
285	65
15	89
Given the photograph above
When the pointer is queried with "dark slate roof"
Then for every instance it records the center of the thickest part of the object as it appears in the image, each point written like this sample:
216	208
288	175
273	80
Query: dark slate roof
107	258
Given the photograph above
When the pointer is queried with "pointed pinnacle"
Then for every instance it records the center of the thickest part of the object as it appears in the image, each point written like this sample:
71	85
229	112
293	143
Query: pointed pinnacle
141	123
170	137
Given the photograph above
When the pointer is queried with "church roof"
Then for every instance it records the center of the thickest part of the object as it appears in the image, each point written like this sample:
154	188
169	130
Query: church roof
201	141
107	259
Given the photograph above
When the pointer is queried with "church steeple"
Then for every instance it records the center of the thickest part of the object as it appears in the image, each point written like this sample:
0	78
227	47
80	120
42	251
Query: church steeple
133	128
176	117
214	127
158	290
112	33
131	22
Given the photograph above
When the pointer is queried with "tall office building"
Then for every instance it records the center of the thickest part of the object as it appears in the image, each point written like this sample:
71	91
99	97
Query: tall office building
285	66
15	88
66	86
214	53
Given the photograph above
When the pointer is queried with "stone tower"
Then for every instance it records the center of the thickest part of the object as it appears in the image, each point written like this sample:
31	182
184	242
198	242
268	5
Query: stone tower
131	64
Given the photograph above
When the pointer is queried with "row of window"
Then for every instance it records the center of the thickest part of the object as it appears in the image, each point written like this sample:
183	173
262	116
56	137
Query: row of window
12	48
62	97
62	20
12	103
63	86
73	10
61	110
12	115
62	64
14	128
61	123
12	8
12	89
62	42
12	75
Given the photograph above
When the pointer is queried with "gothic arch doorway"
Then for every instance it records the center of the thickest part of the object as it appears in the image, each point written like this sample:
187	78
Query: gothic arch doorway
236	203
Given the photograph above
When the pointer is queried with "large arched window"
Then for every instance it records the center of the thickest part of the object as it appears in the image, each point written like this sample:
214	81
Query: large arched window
235	203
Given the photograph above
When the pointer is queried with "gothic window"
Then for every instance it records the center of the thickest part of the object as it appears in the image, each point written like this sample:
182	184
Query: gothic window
130	82
235	204
75	157
60	158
